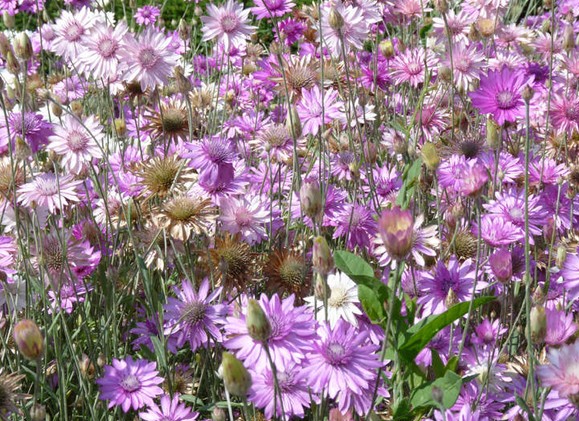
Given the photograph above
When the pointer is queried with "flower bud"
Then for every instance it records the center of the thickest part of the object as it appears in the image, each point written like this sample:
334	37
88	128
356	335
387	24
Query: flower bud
451	298
120	126
527	93
386	48
29	339
12	64
335	19
218	414
486	27
184	30
76	107
396	227
501	263
293	122
568	38
321	289
38	412
236	378
311	199
561	256
493	139
322	259
9	20
441	5
430	156
23	46
538	324
445	73
4	45
258	325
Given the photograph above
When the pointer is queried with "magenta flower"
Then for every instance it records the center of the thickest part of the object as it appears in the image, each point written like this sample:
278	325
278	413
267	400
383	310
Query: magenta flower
130	384
310	109
295	395
510	205
292	331
191	317
170	410
247	216
342	365
269	8
147	15
560	326
499	94
356	224
31	127
562	372
496	231
49	190
570	274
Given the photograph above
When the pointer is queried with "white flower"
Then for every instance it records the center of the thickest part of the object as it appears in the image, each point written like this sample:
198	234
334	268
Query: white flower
342	302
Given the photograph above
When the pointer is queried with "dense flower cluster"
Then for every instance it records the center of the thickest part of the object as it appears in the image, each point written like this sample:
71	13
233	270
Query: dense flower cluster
154	182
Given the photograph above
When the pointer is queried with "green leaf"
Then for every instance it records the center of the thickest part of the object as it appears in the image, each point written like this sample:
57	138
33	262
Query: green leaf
422	332
371	303
448	386
521	402
425	30
437	364
452	364
410	180
352	265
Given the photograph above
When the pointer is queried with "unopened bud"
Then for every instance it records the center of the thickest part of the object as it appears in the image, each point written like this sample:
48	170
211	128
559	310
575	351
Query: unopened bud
4	45
29	339
486	27
23	46
493	139
322	260
561	256
430	156
569	38
12	64
236	378
184	30
9	20
501	263
311	199
218	414
538	324
293	122
527	93
258	326
442	6
56	109
87	367
396	227
445	73
451	298
76	107
320	288
120	126
335	19
248	68
38	412
386	48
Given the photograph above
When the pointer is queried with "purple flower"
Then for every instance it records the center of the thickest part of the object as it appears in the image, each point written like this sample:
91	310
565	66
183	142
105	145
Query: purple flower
147	15
448	285
294	391
356	224
499	94
510	204
562	372
560	326
191	317
570	274
343	366
292	331
170	410
130	384
501	264
310	109
269	8
31	127
496	231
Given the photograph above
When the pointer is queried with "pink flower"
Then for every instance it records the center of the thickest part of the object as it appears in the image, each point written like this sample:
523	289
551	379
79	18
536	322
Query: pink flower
49	190
227	23
149	59
147	15
562	374
247	216
353	32
269	8
76	142
102	50
313	114
130	384
409	66
70	30
170	410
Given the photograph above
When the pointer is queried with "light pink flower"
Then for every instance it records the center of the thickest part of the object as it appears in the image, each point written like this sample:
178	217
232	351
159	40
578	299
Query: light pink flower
227	23
562	372
314	114
102	50
54	192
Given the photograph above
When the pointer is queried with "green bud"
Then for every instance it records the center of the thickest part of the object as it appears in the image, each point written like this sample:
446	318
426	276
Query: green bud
236	378
258	325
430	156
322	259
538	324
29	339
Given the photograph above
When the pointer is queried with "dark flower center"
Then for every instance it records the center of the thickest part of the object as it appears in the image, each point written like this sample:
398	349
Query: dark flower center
336	353
77	141
130	383
194	312
506	100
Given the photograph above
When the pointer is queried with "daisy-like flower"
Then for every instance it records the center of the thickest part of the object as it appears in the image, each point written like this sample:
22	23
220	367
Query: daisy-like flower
292	332
77	142
570	275
130	384
510	204
31	127
101	52
409	66
310	109
425	241
148	58
499	94
467	63
562	372
49	190
183	215
356	223
497	231
147	15
449	284
565	113
70	30
293	388
342	364
192	317
67	297
246	216
228	23
170	410
560	326
265	9
342	303
352	32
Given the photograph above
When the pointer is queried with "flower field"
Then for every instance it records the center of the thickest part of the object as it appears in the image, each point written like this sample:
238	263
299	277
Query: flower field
277	210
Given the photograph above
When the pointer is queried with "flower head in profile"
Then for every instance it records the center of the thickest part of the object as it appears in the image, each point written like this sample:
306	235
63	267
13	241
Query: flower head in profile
499	94
343	302
228	23
396	228
169	410
562	371
192	317
292	331
130	384
265	9
148	58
